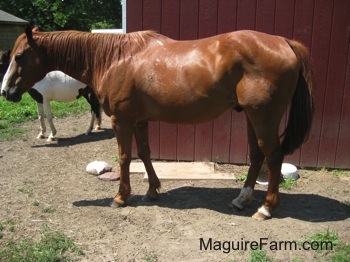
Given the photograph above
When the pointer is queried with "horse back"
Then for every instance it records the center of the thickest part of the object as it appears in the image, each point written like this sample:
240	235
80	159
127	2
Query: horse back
196	81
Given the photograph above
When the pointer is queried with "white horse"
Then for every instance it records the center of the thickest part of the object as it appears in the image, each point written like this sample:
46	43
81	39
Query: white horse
60	87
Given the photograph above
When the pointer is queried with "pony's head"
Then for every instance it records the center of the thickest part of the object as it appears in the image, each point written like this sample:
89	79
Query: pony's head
27	66
4	63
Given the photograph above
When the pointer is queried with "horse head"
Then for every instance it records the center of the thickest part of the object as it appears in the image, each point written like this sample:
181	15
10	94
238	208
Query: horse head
27	66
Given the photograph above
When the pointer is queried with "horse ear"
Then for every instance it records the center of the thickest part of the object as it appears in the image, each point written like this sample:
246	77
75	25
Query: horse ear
28	32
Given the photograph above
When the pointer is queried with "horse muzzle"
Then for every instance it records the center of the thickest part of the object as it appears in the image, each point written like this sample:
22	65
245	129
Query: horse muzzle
12	96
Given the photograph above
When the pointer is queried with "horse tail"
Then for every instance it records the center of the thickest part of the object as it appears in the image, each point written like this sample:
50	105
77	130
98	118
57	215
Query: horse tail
302	105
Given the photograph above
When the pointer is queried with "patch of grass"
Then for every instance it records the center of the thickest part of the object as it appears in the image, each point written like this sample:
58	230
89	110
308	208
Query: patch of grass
325	240
337	250
53	246
151	257
49	210
9	224
334	190
28	192
259	256
35	203
116	159
9	131
243	177
1	229
342	253
287	183
12	113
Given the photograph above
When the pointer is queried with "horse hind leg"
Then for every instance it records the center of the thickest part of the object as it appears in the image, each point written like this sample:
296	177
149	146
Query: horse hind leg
144	153
268	141
256	159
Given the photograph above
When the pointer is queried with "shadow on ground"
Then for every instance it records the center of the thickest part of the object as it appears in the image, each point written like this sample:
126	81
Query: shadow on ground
306	207
80	139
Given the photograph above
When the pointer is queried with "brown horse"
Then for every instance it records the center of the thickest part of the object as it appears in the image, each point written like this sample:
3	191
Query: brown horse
145	76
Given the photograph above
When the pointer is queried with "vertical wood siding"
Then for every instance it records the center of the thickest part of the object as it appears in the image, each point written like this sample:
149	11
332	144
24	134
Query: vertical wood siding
322	25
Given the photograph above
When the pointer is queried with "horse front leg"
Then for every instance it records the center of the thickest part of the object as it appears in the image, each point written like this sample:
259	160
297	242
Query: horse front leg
256	160
123	132
41	117
47	107
144	153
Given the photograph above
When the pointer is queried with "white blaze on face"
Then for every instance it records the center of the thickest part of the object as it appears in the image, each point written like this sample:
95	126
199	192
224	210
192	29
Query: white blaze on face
5	85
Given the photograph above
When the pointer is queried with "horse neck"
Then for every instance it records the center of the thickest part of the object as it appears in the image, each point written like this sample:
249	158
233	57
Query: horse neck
85	56
66	56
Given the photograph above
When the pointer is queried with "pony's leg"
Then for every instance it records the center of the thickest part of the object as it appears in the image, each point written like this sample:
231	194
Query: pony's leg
144	153
123	131
47	107
41	120
91	126
98	118
91	98
256	160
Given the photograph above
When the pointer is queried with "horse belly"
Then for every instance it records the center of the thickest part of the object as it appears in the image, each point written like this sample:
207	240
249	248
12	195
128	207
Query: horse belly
187	112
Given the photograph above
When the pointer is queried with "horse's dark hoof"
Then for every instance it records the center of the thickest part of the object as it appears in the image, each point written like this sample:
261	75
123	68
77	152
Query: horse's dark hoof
234	207
147	198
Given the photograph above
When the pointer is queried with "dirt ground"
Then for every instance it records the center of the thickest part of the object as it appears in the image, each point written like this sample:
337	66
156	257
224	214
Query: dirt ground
37	175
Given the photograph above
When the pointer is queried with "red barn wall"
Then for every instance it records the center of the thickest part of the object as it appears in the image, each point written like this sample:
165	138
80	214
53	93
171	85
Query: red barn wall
322	25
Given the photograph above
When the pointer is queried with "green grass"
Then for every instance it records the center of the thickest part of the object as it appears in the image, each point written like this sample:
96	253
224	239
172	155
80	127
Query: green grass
287	183
53	246
259	256
26	110
151	257
340	251
49	210
243	177
324	240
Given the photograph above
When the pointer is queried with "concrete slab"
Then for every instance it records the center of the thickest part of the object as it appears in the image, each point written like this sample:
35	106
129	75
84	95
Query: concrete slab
182	171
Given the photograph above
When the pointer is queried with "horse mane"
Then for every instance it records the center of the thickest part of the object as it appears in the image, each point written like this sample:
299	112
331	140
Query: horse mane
90	51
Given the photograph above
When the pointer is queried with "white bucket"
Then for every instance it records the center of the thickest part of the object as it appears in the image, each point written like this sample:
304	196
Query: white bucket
288	171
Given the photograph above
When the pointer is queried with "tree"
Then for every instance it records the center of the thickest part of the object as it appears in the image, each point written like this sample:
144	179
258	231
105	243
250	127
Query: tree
50	15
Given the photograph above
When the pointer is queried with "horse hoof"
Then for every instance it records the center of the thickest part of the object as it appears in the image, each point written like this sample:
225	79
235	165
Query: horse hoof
235	204
147	198
40	137
116	204
234	207
260	216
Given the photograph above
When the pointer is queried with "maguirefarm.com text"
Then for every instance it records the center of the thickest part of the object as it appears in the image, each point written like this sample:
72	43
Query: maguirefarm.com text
228	246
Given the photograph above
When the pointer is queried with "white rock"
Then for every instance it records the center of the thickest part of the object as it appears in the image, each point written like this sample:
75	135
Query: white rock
98	168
